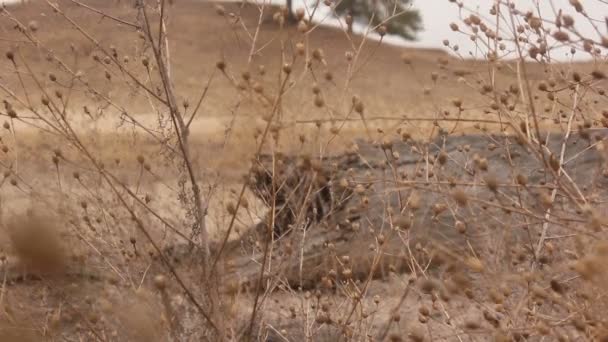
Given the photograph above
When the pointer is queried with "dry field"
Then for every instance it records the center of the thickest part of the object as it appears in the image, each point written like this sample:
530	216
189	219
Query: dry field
185	171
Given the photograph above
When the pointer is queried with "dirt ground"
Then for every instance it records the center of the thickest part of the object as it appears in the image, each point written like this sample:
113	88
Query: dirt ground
396	95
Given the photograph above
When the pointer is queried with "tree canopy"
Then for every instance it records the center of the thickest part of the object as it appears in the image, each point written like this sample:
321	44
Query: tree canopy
405	21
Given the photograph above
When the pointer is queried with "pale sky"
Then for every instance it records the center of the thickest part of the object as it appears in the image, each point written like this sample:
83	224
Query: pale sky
437	14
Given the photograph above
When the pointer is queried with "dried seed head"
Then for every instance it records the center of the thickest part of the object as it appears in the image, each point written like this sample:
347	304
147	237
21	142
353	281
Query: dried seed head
386	144
319	101
491	182
460	227
554	163
221	65
460	196
287	68
347	273
475	264
160	282
442	158
358	106
382	30
302	26
535	23
521	179
10	55
471	323
258	87
300	48
403	222
561	36
220	10
231	208
317	54
429	285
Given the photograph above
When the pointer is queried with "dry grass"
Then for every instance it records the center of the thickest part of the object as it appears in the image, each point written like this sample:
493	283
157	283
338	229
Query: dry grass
329	187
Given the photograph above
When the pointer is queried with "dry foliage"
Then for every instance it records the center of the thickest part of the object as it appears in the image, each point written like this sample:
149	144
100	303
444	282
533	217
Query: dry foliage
207	171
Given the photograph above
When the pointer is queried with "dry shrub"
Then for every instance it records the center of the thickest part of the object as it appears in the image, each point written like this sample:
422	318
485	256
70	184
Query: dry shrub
36	240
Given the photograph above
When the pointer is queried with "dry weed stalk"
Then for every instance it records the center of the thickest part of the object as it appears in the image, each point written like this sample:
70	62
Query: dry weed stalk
490	199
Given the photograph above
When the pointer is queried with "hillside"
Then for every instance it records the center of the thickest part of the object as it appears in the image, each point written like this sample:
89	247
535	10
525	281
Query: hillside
199	38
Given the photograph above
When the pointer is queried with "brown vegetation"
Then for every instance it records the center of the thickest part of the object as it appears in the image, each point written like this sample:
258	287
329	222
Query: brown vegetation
204	171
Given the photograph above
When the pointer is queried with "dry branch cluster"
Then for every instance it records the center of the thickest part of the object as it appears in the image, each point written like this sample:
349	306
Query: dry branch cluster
286	198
